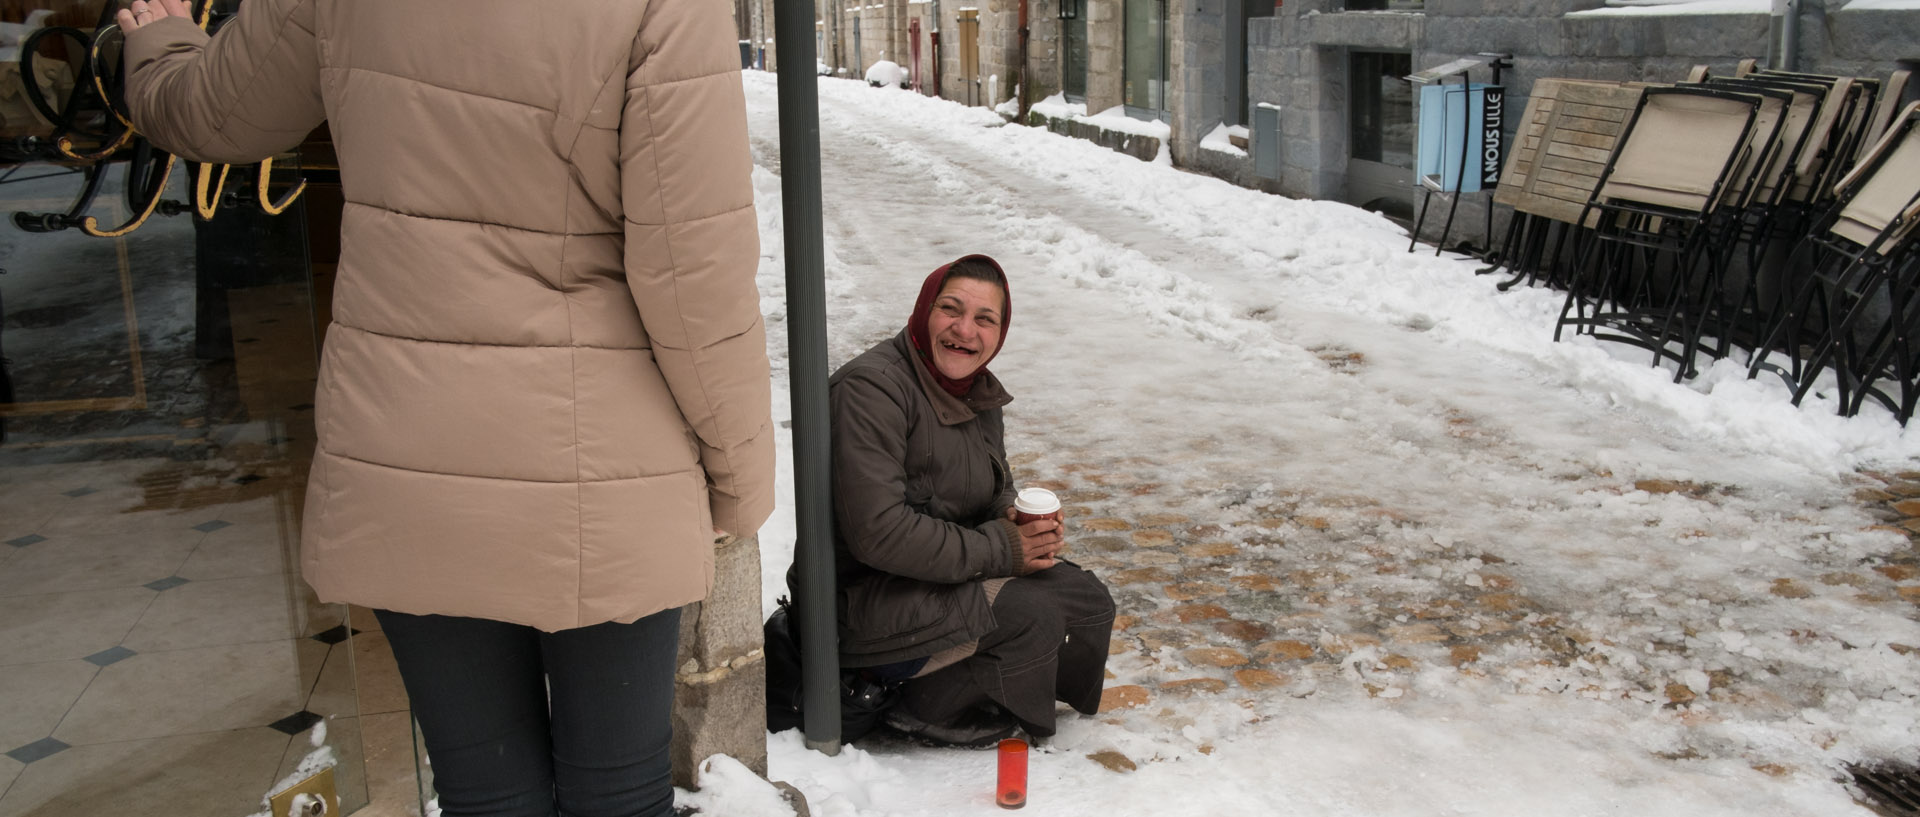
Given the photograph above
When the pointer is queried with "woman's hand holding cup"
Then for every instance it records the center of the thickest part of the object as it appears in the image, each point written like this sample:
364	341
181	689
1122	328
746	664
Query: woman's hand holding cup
1036	512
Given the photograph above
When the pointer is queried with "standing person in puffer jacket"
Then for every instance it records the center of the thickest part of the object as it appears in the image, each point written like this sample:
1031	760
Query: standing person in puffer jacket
978	617
546	386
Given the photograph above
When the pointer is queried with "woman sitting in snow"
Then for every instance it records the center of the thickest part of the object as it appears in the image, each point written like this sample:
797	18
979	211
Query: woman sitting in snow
980	617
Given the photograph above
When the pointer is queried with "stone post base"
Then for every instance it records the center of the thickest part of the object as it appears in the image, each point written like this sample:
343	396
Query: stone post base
720	688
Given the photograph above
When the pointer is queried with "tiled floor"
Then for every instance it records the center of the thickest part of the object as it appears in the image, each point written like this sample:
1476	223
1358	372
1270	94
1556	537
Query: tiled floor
159	653
156	657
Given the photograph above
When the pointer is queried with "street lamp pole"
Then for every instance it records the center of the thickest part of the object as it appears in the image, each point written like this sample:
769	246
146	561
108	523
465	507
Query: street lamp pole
807	370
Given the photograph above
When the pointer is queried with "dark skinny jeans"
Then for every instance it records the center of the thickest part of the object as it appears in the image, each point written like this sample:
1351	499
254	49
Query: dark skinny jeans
523	723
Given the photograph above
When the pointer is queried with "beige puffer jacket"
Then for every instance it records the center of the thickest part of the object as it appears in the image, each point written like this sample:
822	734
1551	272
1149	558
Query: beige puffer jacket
547	379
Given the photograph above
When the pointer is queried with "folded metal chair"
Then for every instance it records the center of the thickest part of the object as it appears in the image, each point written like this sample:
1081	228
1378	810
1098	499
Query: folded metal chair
1649	267
1761	218
1888	104
1855	314
1836	132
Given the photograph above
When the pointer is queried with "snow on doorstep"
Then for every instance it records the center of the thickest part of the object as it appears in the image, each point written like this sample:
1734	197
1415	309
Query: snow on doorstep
1057	107
1116	118
1660	7
1217	139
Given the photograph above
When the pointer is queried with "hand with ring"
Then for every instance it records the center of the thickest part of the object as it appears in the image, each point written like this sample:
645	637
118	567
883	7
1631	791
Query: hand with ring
142	12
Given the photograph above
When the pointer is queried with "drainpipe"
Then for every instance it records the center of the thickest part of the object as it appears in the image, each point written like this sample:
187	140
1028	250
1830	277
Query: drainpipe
836	12
1786	31
1024	89
807	367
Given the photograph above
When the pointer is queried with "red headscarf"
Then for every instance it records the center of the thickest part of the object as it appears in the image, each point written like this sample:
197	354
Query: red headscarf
923	309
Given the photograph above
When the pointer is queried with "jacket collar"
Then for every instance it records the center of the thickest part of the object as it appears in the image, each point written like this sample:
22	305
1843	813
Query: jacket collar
987	393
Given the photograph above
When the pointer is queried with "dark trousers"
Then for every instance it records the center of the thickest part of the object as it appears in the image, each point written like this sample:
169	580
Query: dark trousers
523	723
1049	643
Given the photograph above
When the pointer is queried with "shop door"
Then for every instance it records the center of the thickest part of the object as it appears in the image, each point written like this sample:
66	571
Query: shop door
970	56
1380	132
913	58
159	653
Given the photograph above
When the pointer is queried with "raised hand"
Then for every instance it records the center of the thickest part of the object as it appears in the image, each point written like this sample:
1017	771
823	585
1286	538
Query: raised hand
142	12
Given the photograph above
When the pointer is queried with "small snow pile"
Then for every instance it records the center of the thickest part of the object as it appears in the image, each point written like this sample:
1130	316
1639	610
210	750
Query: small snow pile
1057	107
821	68
729	789
1221	139
1010	107
1667	7
885	74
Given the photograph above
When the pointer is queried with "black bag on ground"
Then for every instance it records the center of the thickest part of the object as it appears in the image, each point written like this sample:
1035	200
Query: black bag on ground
863	698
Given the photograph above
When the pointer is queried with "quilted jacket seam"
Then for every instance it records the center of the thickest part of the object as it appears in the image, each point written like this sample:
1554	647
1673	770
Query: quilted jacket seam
408	338
578	481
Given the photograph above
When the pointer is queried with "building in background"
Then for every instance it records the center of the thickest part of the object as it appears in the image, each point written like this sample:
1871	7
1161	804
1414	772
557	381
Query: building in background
1309	98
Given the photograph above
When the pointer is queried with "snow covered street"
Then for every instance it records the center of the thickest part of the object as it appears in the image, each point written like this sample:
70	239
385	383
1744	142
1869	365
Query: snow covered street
1379	545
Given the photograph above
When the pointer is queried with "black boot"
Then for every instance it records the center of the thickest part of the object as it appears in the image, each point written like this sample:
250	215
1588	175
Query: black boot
977	728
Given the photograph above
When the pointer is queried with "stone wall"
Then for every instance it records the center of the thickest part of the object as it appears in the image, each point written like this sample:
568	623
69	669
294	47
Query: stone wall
1196	88
1864	42
1136	145
999	49
1105	31
1043	49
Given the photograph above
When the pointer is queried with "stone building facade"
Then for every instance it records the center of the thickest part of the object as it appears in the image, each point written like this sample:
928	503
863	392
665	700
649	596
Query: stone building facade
1313	91
1307	60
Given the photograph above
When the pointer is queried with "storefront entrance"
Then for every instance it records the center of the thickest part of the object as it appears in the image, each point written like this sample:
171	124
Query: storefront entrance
159	653
1380	132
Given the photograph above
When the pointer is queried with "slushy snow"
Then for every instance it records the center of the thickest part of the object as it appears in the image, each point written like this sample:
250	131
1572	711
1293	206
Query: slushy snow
1251	351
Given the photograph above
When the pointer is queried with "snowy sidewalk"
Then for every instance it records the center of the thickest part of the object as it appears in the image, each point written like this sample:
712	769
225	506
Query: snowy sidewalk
1379	545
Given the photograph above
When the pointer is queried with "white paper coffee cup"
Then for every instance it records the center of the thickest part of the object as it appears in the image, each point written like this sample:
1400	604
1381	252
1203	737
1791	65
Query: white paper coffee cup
1035	503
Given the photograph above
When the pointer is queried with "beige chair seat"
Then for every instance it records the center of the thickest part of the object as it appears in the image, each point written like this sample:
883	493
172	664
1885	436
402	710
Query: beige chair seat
1886	196
1678	150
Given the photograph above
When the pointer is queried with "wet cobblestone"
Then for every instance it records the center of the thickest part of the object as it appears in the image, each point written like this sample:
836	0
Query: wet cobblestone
1305	595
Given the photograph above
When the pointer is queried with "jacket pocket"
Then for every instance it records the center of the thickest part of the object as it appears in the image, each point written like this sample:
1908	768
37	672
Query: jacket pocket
894	611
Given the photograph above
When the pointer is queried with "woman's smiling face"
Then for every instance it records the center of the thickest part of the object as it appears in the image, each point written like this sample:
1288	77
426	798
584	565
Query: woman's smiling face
965	325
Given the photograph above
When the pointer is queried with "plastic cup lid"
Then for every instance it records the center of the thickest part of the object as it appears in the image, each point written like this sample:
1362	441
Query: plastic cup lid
1036	500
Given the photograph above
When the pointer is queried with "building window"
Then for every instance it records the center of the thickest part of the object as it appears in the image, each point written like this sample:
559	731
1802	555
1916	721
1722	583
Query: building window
1073	63
1383	5
1238	90
1380	102
1145	67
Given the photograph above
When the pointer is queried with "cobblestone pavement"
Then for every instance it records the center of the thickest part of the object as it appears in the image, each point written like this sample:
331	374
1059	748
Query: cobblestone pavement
1307	594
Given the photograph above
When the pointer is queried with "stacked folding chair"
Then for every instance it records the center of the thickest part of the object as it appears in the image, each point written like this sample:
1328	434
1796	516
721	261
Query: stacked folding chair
1857	312
1766	217
1651	270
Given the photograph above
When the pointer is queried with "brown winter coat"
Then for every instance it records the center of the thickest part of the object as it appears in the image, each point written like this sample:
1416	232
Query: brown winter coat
920	493
546	381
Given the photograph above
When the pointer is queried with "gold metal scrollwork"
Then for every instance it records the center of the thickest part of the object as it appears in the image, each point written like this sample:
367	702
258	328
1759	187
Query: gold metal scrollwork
91	226
274	208
209	186
208	203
